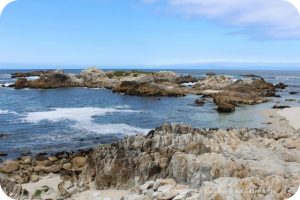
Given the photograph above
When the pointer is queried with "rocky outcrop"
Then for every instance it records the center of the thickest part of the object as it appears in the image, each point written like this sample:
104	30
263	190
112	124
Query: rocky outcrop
149	89
214	82
129	82
28	74
281	86
153	84
176	162
249	92
225	91
271	187
49	80
203	158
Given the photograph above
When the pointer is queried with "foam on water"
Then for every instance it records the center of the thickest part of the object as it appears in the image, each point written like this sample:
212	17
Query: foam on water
5	84
83	118
32	78
6	112
84	114
123	129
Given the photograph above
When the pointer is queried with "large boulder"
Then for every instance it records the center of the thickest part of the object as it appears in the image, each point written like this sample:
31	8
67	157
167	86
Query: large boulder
79	162
224	107
9	167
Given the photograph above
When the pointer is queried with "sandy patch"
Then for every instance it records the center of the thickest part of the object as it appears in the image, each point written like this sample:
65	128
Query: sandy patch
276	122
292	115
51	180
209	92
100	195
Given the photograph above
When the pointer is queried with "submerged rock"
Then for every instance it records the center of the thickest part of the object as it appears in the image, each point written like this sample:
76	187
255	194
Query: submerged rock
290	100
200	102
280	107
250	76
3	136
224	107
281	86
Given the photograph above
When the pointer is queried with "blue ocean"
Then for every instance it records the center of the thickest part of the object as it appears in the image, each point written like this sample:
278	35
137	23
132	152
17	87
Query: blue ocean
36	121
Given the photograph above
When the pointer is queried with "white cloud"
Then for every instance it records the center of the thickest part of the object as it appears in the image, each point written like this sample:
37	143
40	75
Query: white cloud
257	18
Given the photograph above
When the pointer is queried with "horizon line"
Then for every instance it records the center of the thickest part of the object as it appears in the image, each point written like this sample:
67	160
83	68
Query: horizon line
241	65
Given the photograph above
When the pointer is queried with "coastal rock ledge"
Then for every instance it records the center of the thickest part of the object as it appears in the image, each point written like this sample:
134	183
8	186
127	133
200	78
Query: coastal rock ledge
226	92
181	162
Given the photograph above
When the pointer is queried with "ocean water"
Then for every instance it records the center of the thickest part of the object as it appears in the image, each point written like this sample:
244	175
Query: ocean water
69	119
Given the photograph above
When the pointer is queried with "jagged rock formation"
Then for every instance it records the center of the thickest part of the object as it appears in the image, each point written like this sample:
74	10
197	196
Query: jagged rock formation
244	158
249	163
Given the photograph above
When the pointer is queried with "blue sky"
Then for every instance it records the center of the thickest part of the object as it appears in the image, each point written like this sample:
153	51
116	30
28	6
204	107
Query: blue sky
79	33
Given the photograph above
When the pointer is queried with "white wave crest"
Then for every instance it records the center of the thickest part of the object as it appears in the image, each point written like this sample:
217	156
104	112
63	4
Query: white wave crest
83	118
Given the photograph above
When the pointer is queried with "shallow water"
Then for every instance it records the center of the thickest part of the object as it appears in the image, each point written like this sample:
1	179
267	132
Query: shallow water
77	118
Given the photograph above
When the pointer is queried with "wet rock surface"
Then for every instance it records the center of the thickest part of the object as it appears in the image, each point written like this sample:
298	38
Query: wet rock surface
280	107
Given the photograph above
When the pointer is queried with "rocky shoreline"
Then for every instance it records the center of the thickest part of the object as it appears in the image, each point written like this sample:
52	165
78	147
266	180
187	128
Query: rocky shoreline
225	92
171	162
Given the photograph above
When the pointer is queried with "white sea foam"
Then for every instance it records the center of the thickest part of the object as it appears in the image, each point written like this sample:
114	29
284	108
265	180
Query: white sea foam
110	128
83	118
32	78
6	112
5	84
84	114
